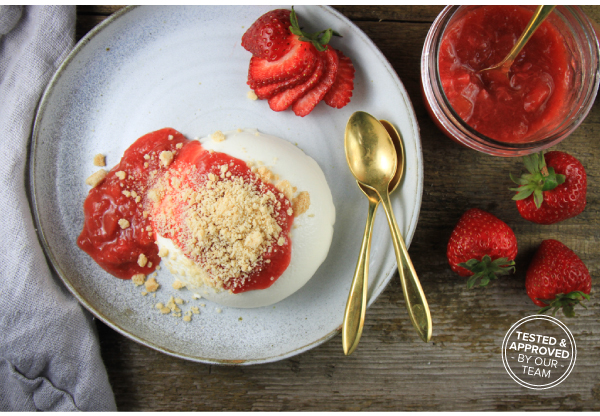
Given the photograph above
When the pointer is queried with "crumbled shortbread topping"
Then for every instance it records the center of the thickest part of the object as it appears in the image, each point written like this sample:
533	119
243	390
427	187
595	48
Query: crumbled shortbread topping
301	203
95	178
123	223
252	95
166	157
218	136
142	260
138	279
152	285
265	174
226	224
286	188
121	174
178	284
99	160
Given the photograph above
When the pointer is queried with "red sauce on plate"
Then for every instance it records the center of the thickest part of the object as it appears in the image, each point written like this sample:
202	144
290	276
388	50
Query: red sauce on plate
117	249
508	109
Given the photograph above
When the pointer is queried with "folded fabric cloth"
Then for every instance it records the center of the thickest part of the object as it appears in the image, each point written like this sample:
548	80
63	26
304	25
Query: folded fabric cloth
49	351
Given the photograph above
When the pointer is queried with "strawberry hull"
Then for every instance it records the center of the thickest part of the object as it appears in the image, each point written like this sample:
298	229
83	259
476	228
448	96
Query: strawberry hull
566	200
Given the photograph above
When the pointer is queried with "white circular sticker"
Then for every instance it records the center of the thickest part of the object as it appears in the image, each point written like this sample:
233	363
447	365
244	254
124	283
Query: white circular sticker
539	352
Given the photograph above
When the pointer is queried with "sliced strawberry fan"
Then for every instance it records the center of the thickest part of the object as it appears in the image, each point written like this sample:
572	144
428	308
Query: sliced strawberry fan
290	67
306	103
284	99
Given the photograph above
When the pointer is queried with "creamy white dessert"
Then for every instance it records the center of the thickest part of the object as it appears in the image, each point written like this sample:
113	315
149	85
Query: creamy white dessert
311	232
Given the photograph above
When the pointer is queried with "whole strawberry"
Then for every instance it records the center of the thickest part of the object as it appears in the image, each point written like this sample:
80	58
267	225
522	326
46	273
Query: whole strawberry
481	246
557	278
268	37
554	189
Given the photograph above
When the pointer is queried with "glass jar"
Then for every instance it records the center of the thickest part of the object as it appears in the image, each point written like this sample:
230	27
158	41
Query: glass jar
582	44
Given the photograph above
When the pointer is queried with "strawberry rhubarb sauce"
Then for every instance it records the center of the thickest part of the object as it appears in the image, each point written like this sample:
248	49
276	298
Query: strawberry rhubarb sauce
509	108
217	210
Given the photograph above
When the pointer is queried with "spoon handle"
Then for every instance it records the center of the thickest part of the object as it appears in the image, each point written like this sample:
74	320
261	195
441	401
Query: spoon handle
540	14
416	303
354	316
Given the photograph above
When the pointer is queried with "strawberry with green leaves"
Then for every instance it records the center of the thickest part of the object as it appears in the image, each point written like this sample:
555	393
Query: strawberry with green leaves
281	50
481	247
553	190
290	66
557	278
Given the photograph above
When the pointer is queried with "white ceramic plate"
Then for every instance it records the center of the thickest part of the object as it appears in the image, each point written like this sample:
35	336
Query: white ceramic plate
183	67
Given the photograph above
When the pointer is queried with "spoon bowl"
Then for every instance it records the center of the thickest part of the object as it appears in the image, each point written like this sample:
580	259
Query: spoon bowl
356	306
370	152
399	148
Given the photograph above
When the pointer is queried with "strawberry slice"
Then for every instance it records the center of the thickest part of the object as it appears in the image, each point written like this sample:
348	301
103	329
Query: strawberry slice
286	98
341	91
305	104
268	37
300	56
264	92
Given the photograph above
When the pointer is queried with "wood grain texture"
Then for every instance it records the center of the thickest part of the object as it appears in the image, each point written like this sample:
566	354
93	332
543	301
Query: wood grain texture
392	369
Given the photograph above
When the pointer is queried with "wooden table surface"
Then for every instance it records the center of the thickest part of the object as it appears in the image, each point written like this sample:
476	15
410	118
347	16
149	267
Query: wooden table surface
461	369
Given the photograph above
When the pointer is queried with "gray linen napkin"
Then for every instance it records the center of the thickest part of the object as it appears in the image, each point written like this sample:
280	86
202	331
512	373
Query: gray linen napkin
49	352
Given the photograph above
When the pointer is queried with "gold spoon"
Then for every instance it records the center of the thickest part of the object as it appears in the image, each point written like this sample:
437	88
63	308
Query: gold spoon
541	13
372	159
354	316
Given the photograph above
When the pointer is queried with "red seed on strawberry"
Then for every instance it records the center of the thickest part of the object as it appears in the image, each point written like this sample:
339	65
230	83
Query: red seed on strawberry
557	278
554	189
481	247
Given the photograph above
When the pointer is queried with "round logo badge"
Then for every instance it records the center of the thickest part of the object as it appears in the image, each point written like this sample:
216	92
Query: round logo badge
539	352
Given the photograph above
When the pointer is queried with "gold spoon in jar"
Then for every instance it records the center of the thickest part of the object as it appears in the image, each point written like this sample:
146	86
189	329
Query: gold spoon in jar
354	316
372	158
540	14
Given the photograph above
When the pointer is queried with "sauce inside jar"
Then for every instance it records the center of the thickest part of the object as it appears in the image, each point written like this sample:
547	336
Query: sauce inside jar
511	108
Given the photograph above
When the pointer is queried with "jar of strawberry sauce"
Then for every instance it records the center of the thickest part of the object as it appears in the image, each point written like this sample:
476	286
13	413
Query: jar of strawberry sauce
548	92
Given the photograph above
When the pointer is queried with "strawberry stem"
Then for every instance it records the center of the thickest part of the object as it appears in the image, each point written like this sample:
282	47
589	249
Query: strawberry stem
539	179
487	269
565	301
318	39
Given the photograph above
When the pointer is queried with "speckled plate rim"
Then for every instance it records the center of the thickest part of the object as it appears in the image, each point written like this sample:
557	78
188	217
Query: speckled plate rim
376	291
